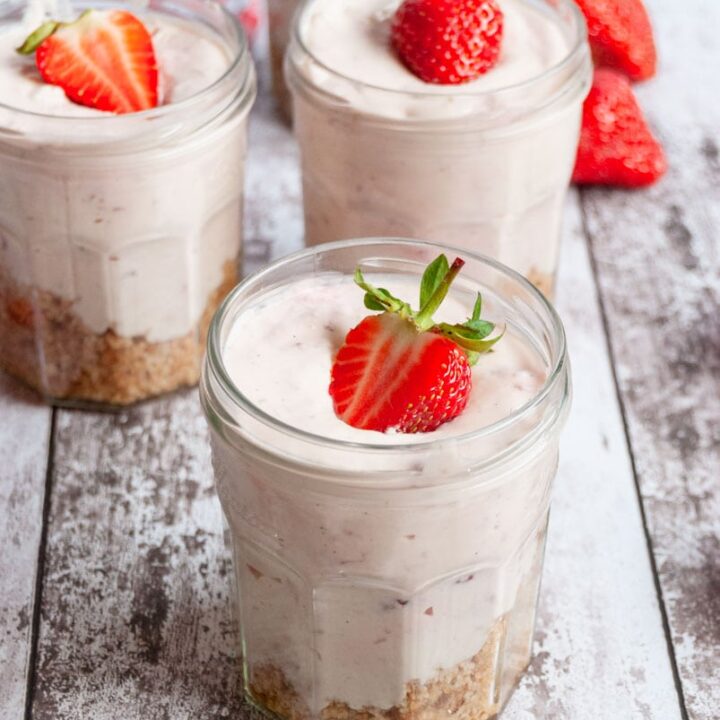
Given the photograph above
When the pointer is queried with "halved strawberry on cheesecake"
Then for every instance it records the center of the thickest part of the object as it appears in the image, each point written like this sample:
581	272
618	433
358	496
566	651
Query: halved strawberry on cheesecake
402	371
104	60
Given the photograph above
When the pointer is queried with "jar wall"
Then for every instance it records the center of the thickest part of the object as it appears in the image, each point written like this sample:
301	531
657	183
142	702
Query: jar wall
485	168
111	266
393	580
497	194
403	604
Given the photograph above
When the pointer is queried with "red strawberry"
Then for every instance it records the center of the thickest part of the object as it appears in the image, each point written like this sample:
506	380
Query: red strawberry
249	18
616	144
400	370
621	36
104	59
448	41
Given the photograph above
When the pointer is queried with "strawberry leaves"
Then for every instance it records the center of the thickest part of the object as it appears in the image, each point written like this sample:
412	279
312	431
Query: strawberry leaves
472	336
432	277
380	298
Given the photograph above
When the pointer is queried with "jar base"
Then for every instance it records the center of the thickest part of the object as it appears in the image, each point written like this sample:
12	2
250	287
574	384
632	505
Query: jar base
47	347
471	690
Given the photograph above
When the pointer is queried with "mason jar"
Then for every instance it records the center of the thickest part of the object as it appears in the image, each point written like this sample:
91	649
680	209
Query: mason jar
120	234
483	170
396	579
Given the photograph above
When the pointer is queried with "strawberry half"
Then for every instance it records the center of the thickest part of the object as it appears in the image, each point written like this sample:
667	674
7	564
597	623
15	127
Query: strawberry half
402	371
448	42
621	36
616	145
105	60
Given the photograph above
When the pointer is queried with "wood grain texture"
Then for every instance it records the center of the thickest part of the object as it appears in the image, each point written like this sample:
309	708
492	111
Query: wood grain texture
600	649
658	259
24	440
136	618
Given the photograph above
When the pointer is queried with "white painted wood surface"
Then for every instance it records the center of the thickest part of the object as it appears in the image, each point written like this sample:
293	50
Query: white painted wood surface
600	649
24	438
658	262
134	609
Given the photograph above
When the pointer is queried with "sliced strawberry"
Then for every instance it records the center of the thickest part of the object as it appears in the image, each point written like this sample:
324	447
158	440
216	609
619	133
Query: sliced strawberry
448	42
400	370
617	146
621	36
104	60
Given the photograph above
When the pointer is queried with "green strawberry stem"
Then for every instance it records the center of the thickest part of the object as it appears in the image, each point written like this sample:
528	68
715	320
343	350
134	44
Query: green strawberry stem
472	336
38	36
424	318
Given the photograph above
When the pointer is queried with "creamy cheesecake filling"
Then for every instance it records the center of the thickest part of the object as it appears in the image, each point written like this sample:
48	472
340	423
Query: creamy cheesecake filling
304	325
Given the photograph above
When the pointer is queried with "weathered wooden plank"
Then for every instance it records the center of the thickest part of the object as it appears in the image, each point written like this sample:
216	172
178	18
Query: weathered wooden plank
600	649
24	440
136	620
658	259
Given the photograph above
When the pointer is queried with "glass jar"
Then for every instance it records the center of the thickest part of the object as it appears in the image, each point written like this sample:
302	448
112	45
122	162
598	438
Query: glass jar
120	234
483	170
393	581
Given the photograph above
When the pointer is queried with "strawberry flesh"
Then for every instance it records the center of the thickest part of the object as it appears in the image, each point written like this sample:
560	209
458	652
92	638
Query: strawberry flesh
448	42
617	146
386	375
621	36
104	60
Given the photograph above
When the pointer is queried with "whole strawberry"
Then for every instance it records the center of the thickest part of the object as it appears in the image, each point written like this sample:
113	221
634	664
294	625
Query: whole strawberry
616	145
448	42
105	60
621	36
400	370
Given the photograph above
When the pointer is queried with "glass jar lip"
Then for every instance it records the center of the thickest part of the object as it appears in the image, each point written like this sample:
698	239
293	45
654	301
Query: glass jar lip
157	113
219	371
579	47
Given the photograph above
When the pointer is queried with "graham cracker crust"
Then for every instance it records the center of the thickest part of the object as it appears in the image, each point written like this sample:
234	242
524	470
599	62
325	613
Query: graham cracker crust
48	347
467	691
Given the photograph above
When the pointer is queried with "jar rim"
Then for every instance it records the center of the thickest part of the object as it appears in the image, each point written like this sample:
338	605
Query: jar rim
578	48
557	374
240	52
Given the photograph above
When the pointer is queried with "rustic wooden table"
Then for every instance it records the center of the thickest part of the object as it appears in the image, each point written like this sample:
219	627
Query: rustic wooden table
114	579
